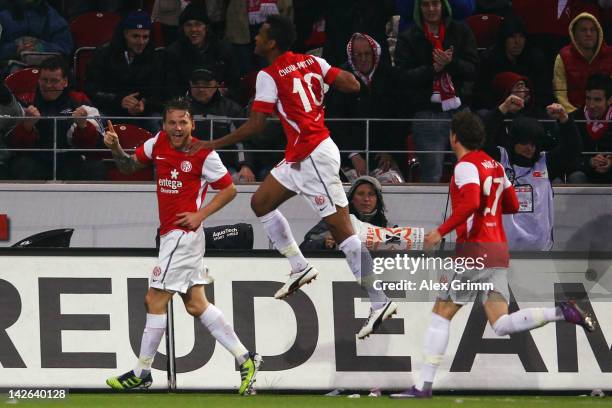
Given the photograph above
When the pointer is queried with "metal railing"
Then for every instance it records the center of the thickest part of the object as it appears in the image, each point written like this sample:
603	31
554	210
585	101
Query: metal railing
147	121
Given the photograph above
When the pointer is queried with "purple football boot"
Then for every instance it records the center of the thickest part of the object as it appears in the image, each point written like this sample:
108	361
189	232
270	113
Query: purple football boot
573	314
413	393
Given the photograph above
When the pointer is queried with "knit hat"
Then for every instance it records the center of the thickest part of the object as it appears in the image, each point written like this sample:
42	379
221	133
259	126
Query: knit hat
194	12
503	83
137	19
203	74
525	129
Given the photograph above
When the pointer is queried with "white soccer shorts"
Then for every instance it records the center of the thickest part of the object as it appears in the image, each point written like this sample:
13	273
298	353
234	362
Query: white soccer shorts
181	261
316	178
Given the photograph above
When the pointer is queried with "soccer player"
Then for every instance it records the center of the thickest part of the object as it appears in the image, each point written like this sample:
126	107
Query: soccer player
182	181
293	86
480	194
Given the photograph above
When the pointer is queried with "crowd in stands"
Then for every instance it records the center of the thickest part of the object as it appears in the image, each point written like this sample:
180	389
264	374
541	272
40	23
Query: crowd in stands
418	62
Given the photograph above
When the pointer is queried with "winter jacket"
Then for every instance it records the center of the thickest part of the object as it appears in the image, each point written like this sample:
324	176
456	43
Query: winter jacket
414	64
462	9
572	69
68	134
530	63
110	78
604	144
40	21
221	107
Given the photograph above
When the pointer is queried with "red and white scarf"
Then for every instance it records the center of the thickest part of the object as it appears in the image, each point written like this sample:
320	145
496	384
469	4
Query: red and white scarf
597	127
259	10
443	88
366	79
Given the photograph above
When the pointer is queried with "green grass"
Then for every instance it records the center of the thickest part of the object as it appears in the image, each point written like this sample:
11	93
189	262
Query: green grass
194	400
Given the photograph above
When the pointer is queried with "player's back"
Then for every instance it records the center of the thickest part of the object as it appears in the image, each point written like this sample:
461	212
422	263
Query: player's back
294	85
486	222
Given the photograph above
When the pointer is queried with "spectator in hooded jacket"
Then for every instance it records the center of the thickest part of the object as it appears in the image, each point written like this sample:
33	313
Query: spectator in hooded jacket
434	59
32	25
196	48
54	98
514	53
530	169
124	77
587	54
375	99
594	122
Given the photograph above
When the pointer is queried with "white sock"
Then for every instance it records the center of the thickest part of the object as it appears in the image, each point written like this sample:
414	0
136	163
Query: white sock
526	319
277	228
151	337
360	262
436	340
213	320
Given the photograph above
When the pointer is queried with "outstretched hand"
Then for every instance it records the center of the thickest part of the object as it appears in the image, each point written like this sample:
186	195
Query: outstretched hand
111	139
431	240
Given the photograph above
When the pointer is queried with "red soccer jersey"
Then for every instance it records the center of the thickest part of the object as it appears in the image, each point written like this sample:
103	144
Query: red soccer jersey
293	87
480	193
181	180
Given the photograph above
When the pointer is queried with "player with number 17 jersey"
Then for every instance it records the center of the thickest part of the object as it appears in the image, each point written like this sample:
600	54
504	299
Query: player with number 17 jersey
293	87
479	181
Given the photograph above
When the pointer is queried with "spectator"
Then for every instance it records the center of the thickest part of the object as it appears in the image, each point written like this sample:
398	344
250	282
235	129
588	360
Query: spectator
547	23
365	203
208	103
587	54
167	13
345	17
196	48
462	9
243	20
531	170
124	77
514	53
53	98
434	59
9	107
374	100
32	25
594	122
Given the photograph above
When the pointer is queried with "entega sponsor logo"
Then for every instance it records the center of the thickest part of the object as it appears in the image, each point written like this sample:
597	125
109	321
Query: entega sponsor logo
174	185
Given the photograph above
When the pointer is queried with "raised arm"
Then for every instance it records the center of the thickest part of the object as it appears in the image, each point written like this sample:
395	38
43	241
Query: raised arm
346	82
253	126
125	163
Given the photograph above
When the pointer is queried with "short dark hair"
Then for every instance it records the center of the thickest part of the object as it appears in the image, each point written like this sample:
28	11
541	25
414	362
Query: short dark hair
55	63
177	104
469	130
281	30
599	81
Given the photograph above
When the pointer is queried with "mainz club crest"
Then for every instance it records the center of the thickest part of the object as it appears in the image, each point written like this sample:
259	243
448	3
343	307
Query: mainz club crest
319	200
156	271
186	166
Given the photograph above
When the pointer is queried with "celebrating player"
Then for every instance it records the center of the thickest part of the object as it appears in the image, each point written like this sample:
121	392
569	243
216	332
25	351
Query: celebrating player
480	194
293	86
182	181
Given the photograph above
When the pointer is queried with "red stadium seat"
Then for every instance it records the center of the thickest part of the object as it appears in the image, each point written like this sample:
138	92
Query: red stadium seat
22	82
90	30
130	137
485	28
93	29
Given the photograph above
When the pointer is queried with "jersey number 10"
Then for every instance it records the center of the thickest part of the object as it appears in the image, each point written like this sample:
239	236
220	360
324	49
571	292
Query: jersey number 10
298	88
